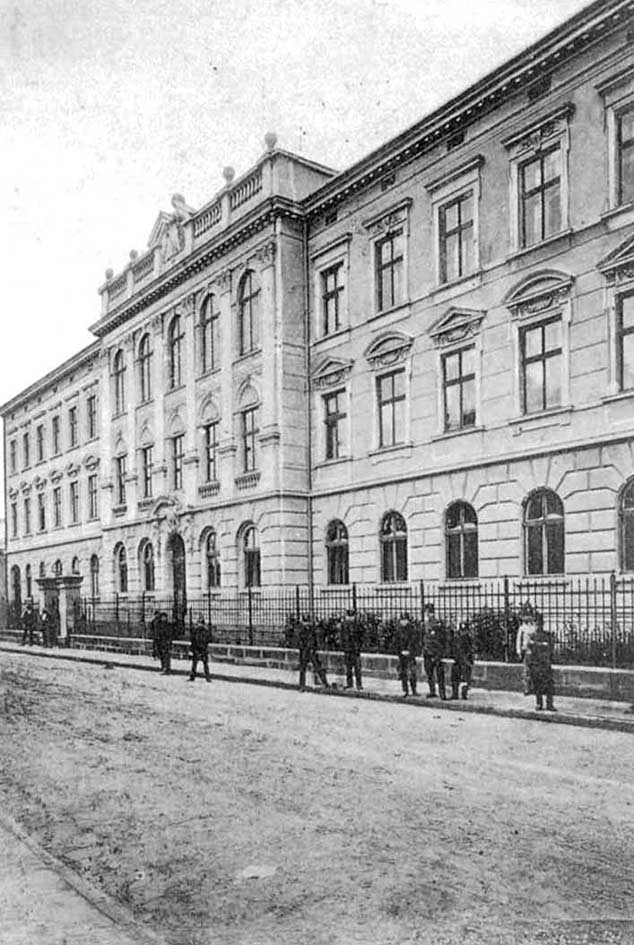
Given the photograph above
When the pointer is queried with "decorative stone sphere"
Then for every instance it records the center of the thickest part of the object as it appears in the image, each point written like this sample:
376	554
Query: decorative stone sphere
228	173
270	140
177	198
133	254
109	274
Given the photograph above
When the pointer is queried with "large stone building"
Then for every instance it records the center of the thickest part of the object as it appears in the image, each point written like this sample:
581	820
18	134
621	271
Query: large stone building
420	367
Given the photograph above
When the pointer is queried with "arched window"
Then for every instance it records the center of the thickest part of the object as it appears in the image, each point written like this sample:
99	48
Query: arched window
544	533
121	569
94	576
251	556
75	566
175	352
249	313
57	568
29	581
145	368
212	559
118	373
42	571
337	552
209	335
147	566
461	541
16	587
626	527
393	540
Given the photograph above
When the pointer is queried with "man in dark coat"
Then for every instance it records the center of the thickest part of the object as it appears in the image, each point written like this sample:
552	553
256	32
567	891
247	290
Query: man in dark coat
163	643
28	624
538	659
434	646
462	667
200	639
407	639
351	644
307	644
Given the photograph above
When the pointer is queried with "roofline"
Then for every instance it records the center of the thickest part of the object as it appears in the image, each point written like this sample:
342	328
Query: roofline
75	361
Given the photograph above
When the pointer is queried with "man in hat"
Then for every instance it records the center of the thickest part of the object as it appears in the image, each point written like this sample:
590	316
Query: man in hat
434	645
163	640
28	624
307	644
462	666
407	639
200	639
351	644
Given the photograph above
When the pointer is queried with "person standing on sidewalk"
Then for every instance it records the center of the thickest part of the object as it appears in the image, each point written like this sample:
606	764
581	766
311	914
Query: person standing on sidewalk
462	667
351	644
434	645
28	624
45	627
407	638
163	640
200	637
538	666
307	644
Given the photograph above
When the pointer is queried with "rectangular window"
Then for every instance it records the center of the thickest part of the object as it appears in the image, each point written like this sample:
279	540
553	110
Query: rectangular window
147	465
93	509
625	151
625	334
72	427
14	520
26	450
91	416
389	270
177	461
27	516
540	197
74	502
249	438
459	389
13	456
120	465
211	452
55	435
541	366
334	419
57	507
456	238
39	442
331	298
391	408
41	512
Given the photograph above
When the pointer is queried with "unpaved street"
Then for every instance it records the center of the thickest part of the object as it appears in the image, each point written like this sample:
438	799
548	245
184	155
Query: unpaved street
231	814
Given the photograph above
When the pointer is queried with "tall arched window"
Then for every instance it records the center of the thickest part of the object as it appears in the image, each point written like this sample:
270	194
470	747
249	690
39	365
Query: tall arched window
393	541
94	576
42	569
147	565
175	352
209	335
121	569
461	541
75	566
249	313
145	368
16	588
212	559
626	527
251	556
118	374
29	581
544	533
57	568
337	552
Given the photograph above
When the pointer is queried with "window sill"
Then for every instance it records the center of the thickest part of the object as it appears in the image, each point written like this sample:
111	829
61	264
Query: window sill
119	510
390	311
463	284
247	355
325	463
623	209
333	335
546	418
620	395
559	579
146	503
145	403
382	451
463	431
175	389
208	373
115	416
92	518
524	251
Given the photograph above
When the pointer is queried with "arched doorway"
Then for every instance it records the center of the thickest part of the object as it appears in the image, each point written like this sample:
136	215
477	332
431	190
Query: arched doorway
176	547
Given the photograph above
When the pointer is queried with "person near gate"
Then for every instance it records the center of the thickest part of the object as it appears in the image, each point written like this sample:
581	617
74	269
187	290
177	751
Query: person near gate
46	628
28	624
434	645
307	644
462	666
407	638
351	644
534	647
200	637
163	641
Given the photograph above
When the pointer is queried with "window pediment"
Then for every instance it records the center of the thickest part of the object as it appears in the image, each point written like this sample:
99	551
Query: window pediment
390	219
457	324
331	372
72	470
208	411
56	475
541	132
618	266
25	487
91	461
539	292
388	349
13	493
39	482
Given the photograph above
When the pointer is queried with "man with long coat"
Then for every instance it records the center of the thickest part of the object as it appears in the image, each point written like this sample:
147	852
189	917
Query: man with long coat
351	644
200	639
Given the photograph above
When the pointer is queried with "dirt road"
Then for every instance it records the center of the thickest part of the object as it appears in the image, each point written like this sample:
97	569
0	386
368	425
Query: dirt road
224	814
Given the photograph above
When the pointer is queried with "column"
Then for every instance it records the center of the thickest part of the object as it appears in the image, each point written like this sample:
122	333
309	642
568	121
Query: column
158	386
191	459
223	288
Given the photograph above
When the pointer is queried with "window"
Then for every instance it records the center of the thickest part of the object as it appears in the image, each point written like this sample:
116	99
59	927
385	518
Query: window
27	516
118	373
42	569
94	576
541	366
147	465
544	533
249	438
251	553
177	461
29	581
459	389
72	427
209	335
540	197
41	512
93	507
13	456
389	270
14	520
626	523
331	298
74	502
55	435
249	313
211	451
58	569
120	464
212	560
337	553
147	566
145	369
175	352
57	507
456	238
74	567
461	541
391	408
625	350
625	152
334	419
39	442
91	416
121	569
26	451
393	541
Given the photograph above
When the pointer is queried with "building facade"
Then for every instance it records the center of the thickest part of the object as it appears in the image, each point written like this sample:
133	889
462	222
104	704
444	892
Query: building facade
421	367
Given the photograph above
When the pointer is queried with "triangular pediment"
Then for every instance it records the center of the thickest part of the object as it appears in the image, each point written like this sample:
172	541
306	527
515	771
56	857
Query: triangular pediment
456	324
160	227
331	371
620	258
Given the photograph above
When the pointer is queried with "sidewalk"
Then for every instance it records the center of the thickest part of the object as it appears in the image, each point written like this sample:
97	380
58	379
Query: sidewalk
589	713
43	902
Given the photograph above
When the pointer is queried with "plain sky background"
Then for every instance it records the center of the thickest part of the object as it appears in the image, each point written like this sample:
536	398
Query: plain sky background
108	107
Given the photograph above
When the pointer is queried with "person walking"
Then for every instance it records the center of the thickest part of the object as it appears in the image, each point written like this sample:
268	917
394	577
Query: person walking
407	639
28	624
200	637
307	644
351	644
434	645
462	666
164	644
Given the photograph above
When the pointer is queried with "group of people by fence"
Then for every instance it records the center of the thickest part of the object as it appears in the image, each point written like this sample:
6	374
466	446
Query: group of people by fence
42	624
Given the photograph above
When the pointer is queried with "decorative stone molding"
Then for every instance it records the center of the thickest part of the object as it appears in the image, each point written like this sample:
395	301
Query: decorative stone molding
247	480
540	132
223	280
270	436
265	254
72	470
39	483
331	373
538	293
56	475
456	325
209	489
389	219
618	266
388	348
25	487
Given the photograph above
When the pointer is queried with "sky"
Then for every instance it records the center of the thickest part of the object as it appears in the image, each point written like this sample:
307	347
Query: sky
108	107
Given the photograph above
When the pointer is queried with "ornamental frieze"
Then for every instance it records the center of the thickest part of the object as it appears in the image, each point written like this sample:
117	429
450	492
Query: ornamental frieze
331	373
388	350
542	303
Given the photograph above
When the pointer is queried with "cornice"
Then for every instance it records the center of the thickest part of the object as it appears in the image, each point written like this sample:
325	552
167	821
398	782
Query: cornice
77	360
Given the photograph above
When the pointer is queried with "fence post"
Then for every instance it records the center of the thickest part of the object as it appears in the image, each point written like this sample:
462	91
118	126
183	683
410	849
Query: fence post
354	597
507	608
613	615
297	602
116	608
209	606
250	616
422	602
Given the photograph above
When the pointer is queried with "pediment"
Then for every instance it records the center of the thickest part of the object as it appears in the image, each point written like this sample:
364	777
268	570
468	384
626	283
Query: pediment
539	291
619	264
390	347
161	224
331	371
456	325
91	461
